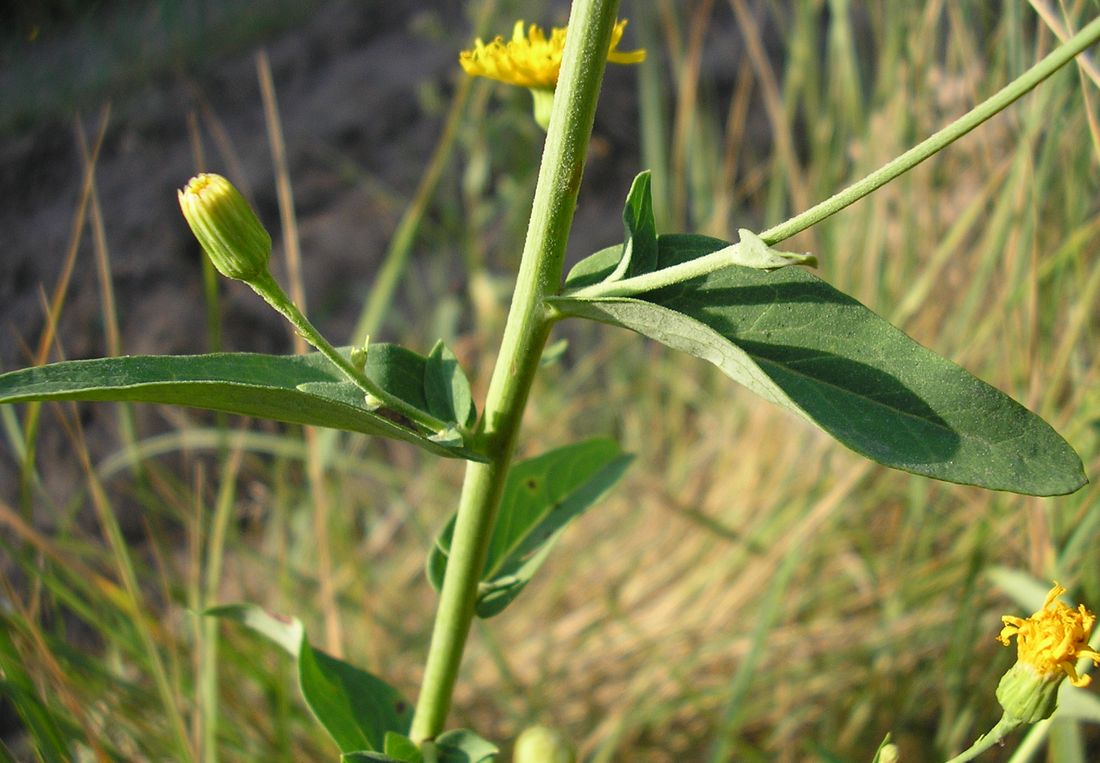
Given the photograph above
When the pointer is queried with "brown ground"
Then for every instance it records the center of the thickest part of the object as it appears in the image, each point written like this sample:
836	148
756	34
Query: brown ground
350	78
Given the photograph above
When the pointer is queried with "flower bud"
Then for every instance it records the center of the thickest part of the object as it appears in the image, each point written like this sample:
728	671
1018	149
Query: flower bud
542	744
225	225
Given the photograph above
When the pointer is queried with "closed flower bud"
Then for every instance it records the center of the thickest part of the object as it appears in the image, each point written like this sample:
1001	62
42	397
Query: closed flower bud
229	231
541	744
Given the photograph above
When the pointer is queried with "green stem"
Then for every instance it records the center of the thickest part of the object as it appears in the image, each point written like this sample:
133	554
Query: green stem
1055	60
1016	89
658	279
986	741
525	334
268	288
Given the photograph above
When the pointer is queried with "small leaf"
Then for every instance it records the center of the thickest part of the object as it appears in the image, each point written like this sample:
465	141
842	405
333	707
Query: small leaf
298	389
287	632
464	746
752	252
400	747
800	343
368	756
356	708
639	250
446	388
541	497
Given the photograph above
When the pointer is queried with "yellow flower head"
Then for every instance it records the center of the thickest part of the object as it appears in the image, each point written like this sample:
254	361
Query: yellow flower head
1052	639
531	60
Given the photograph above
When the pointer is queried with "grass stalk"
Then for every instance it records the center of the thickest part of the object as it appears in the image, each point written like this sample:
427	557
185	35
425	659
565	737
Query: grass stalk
215	556
315	460
133	601
525	334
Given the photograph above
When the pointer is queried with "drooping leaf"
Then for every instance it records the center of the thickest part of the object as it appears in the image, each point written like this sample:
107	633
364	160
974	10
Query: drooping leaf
446	388
542	495
356	708
464	746
639	249
299	389
800	343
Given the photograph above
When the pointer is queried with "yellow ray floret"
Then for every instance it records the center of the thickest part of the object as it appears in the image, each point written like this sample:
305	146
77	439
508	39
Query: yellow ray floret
1054	638
532	60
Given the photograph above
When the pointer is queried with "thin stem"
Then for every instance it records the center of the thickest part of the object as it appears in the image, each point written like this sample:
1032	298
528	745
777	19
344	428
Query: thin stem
1055	60
986	741
525	334
268	288
658	279
853	193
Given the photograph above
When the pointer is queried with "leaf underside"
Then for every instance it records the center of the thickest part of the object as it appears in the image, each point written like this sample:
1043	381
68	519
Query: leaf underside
798	342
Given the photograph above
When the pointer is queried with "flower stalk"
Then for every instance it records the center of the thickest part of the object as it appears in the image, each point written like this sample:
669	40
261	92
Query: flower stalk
1048	645
240	248
590	32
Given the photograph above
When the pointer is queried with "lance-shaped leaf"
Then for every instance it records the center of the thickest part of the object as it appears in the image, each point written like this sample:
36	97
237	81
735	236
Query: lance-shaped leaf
800	343
541	497
356	708
299	389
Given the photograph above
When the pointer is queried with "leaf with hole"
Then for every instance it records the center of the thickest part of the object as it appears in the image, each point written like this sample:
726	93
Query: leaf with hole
541	496
356	708
298	389
801	344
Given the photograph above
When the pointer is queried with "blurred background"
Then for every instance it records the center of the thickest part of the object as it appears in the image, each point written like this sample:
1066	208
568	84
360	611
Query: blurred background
752	591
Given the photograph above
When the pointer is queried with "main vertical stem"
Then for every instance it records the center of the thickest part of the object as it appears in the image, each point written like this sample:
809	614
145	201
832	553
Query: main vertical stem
525	333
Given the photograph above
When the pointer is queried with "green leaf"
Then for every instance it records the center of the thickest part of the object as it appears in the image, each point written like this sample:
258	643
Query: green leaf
464	746
368	756
800	343
299	389
541	497
400	747
752	252
639	250
1075	704
356	708
446	389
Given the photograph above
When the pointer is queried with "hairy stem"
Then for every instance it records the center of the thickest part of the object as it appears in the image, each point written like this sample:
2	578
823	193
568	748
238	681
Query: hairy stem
525	334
